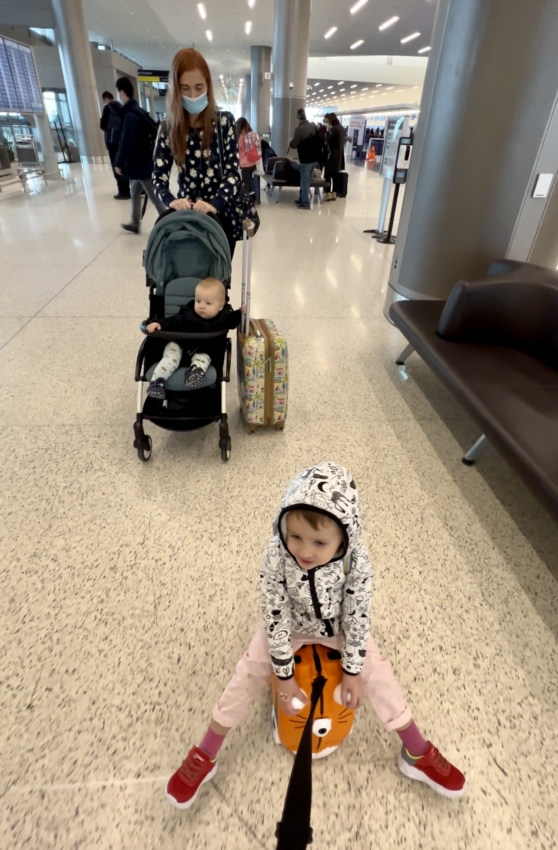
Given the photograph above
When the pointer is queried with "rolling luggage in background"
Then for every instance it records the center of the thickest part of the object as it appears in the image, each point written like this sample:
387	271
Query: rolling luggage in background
341	183
262	361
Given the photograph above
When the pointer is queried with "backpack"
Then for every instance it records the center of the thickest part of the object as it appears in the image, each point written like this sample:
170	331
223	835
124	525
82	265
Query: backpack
114	126
252	147
152	130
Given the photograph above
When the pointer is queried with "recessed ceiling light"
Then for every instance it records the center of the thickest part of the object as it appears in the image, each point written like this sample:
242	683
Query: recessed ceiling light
330	87
321	90
357	44
248	27
202	11
425	49
410	37
341	89
251	3
389	88
330	32
340	83
354	86
389	23
209	35
379	85
358	5
415	87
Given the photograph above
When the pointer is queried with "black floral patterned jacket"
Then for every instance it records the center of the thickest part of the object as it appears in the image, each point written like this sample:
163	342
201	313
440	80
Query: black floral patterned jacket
212	176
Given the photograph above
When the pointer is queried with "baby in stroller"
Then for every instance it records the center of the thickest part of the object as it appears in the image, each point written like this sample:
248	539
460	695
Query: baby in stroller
207	312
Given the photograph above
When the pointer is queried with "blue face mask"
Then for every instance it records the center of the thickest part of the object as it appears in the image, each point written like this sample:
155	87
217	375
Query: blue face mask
195	105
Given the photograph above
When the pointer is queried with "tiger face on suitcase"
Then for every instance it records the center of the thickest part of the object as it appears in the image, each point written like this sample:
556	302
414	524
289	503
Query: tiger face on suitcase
332	721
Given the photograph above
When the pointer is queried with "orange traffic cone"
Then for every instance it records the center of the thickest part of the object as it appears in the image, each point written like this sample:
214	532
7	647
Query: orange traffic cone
372	154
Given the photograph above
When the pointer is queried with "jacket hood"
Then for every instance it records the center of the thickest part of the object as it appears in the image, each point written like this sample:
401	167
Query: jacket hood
329	489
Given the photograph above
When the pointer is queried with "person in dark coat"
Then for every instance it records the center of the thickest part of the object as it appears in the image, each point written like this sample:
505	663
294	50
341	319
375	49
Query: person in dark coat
134	159
307	142
111	125
335	163
208	312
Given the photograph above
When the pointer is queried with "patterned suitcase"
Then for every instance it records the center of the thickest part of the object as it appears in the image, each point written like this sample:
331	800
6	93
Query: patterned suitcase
262	362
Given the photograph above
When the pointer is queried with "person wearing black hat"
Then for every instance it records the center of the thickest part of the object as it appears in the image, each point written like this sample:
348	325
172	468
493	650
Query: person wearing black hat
307	142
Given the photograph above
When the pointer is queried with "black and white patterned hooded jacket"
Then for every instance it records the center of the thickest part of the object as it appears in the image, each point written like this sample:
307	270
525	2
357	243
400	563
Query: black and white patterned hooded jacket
323	601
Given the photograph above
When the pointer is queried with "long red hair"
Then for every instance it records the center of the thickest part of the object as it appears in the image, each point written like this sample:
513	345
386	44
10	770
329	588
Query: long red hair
178	120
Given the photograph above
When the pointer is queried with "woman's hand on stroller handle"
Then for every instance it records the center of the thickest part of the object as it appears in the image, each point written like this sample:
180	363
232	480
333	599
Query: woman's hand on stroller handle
204	207
152	327
180	204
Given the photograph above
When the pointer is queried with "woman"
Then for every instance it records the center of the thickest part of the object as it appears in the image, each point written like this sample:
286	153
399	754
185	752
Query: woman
247	165
335	140
201	141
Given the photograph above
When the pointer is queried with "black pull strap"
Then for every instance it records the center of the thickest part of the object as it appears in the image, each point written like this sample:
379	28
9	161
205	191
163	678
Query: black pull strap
294	831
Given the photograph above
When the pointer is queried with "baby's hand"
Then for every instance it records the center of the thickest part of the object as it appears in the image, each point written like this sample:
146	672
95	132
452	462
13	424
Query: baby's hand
154	326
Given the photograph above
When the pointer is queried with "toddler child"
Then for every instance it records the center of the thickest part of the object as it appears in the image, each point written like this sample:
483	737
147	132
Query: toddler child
307	598
208	312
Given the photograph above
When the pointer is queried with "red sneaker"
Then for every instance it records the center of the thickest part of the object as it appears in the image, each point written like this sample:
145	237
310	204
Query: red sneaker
184	785
435	770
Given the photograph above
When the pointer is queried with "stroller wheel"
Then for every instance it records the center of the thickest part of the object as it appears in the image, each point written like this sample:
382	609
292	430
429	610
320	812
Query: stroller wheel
225	445
144	450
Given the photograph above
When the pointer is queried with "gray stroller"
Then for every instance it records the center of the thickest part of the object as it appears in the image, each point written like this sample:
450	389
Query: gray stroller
183	248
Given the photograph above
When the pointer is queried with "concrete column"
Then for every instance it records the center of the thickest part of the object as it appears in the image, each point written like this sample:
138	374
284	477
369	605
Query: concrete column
247	98
261	88
488	126
291	38
79	76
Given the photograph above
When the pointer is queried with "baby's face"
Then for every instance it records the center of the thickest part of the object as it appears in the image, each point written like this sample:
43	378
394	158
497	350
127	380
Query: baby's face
209	302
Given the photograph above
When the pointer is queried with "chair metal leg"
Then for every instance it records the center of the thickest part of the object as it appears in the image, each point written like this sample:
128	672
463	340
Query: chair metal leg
404	355
475	451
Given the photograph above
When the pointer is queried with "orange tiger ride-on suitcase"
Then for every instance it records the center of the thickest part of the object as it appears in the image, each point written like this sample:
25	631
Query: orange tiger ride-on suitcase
262	361
332	721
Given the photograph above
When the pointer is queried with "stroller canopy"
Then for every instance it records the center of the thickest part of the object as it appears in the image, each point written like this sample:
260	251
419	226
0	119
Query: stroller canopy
187	244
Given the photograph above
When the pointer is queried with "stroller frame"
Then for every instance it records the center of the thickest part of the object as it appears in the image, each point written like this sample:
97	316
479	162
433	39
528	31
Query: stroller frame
174	415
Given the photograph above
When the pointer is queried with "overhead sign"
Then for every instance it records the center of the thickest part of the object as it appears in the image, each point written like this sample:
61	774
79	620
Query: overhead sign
150	76
19	82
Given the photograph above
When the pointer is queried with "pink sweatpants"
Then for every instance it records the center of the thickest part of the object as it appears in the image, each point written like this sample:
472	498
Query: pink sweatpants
254	669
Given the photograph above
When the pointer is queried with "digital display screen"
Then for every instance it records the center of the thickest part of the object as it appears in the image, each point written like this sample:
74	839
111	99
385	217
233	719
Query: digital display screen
19	85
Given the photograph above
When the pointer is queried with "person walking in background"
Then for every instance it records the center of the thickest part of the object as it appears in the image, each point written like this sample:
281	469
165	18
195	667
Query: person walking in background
111	125
201	142
134	159
335	162
307	142
250	152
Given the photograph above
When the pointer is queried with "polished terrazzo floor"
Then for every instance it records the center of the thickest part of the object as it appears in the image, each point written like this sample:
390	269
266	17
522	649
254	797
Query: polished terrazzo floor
128	591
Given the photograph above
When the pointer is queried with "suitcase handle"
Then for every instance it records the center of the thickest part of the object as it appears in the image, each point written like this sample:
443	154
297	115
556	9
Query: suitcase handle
247	234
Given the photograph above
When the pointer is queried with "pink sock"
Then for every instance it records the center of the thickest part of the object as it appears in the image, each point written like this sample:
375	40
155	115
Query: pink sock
413	741
211	744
